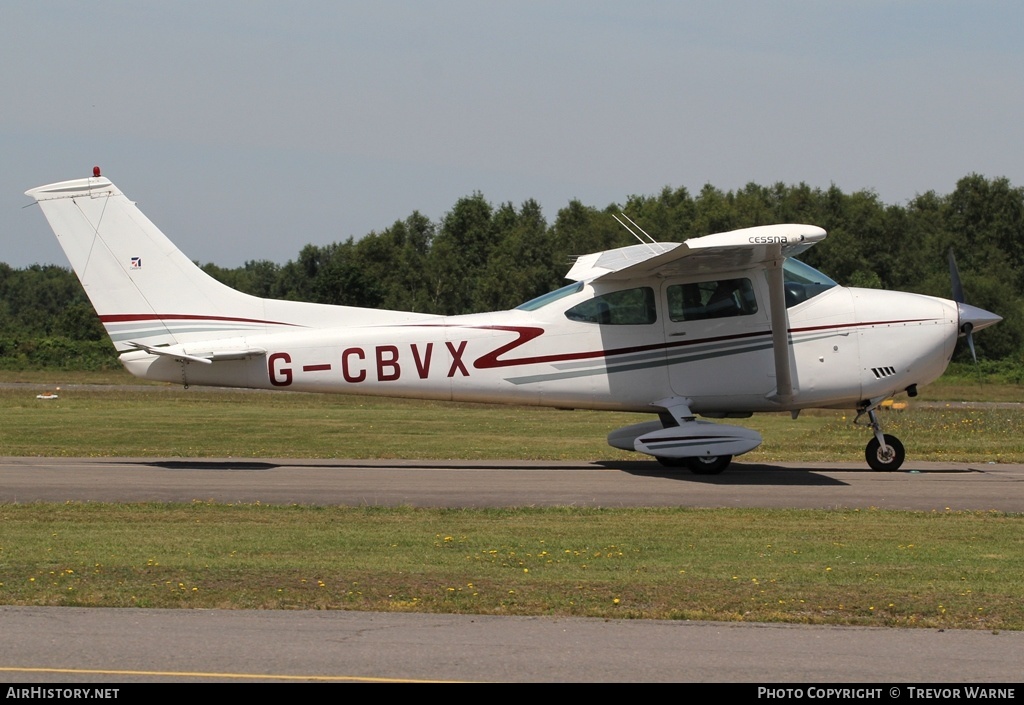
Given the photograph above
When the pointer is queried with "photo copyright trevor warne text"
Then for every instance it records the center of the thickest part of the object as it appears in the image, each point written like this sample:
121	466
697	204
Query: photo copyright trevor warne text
960	692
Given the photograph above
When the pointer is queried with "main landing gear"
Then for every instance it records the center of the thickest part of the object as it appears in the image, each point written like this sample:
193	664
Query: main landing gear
884	453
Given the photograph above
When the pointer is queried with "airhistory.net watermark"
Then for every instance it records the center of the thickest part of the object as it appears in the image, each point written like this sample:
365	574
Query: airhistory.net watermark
62	693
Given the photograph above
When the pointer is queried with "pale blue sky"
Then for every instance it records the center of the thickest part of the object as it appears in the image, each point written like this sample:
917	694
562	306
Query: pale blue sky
246	130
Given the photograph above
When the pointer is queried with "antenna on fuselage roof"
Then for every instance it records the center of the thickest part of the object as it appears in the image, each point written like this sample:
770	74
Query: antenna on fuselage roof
650	240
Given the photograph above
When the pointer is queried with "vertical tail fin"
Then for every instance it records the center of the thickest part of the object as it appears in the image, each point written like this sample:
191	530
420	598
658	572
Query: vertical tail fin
144	289
149	294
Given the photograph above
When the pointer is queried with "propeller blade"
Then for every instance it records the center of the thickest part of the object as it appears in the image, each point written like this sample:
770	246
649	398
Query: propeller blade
971	317
954	275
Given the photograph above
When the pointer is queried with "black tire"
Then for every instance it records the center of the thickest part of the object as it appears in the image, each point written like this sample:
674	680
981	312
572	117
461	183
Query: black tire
885	462
708	465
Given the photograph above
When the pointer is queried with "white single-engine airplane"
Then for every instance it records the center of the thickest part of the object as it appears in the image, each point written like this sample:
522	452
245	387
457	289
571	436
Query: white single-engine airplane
720	326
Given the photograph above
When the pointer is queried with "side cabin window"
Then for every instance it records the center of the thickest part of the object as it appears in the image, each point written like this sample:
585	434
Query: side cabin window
712	299
629	307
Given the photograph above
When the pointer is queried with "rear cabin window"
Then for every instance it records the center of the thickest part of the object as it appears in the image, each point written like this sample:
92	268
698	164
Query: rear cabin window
711	299
629	307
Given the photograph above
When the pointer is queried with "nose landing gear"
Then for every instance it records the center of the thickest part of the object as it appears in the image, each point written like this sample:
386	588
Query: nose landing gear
884	453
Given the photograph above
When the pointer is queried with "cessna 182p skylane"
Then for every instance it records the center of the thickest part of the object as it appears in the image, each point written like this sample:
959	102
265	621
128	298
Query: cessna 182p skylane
720	326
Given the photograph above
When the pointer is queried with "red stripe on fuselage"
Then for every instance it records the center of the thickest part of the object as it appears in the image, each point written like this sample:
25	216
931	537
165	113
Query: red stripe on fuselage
127	317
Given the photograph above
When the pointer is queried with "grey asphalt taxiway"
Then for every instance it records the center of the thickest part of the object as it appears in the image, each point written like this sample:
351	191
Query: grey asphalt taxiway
72	645
918	486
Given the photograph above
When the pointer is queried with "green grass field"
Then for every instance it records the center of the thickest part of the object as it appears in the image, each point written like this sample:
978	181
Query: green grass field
876	568
162	421
868	567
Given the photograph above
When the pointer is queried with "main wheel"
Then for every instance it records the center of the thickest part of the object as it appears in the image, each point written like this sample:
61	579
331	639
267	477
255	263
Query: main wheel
885	460
709	465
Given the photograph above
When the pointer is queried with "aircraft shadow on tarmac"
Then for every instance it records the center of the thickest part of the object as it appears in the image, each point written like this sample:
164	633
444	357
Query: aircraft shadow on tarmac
218	465
738	474
762	473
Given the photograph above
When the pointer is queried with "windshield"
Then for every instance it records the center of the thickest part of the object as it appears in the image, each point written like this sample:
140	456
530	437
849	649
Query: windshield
803	282
545	299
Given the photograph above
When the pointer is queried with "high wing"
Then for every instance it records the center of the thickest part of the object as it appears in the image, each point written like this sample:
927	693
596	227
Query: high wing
736	249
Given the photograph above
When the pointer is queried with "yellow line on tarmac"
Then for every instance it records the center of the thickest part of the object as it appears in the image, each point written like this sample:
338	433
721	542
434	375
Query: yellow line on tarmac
200	674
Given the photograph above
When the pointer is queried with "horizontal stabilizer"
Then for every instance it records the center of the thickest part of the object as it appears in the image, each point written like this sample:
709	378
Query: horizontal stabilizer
206	358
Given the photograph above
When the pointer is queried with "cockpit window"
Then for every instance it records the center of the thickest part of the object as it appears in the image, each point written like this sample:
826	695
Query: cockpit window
711	299
629	307
803	282
551	296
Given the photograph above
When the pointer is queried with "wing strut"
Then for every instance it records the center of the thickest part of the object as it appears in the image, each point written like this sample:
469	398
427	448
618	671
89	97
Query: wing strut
780	327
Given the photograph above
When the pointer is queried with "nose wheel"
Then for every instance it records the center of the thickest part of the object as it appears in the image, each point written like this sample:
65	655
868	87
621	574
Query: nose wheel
884	453
885	458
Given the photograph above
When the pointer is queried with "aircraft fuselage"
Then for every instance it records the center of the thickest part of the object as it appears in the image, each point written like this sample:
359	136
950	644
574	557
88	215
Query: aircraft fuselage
847	345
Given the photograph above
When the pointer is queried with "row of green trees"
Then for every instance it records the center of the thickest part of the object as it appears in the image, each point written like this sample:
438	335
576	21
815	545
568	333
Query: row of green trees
485	257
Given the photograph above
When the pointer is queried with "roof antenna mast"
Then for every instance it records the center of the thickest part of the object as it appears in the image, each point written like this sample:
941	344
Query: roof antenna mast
649	241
